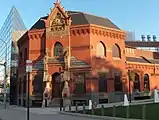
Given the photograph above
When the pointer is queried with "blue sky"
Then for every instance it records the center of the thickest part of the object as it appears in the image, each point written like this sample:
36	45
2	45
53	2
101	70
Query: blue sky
140	16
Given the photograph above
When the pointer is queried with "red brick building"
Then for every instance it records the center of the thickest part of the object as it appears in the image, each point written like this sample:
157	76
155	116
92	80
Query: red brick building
95	47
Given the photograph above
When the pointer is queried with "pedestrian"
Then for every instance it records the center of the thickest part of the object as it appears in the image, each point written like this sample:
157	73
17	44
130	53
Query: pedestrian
46	95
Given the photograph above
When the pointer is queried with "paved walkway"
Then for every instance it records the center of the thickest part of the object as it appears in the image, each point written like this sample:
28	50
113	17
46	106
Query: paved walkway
19	113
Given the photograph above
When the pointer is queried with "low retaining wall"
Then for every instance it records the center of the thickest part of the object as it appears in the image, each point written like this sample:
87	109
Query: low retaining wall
95	116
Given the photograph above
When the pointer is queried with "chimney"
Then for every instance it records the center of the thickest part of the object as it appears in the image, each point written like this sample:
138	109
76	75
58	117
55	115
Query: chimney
154	38
148	38
143	37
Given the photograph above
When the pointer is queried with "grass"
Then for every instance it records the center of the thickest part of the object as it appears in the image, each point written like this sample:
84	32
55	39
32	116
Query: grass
135	111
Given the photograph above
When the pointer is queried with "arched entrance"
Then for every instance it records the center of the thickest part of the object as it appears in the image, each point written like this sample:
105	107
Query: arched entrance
146	82
137	83
56	79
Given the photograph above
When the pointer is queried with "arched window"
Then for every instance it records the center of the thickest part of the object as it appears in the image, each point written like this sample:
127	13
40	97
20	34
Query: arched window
58	49
146	82
117	82
116	53
102	82
101	49
137	83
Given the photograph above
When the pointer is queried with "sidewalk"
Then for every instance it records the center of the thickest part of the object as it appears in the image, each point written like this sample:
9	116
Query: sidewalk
55	110
19	113
34	110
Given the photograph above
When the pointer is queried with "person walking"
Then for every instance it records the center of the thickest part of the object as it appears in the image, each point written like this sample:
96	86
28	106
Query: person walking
46	95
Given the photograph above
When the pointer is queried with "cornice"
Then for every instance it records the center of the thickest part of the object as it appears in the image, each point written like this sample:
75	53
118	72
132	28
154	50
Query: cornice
97	30
133	65
79	26
80	31
107	32
22	39
36	35
102	27
36	30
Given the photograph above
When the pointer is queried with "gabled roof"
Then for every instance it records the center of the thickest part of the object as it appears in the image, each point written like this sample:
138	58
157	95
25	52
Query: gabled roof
40	24
80	18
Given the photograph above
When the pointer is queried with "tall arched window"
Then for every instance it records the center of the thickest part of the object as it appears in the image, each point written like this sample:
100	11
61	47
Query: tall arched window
58	49
101	49
117	82
137	83
116	52
146	82
102	82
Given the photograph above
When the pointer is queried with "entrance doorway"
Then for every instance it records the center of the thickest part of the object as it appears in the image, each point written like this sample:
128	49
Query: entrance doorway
56	79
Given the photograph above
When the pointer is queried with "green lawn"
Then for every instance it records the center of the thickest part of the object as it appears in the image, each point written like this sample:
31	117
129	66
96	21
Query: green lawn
135	111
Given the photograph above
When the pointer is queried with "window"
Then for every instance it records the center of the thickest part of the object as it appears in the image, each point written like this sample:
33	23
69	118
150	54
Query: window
58	49
20	58
79	83
102	82
101	49
37	84
117	82
24	84
20	86
116	53
136	83
146	82
25	54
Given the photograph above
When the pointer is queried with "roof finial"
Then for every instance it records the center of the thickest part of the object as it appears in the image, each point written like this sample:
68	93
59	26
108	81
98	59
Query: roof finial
57	1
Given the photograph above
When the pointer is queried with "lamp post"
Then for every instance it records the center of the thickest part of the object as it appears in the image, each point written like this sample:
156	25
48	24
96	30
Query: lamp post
5	72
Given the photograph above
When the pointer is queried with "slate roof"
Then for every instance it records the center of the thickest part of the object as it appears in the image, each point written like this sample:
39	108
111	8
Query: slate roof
142	60
74	63
77	63
39	65
39	24
80	18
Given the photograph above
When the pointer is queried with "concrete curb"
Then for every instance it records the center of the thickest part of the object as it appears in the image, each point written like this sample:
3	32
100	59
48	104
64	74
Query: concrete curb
94	116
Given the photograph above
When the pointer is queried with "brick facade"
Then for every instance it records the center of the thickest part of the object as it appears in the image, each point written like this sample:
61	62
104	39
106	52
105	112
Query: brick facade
94	48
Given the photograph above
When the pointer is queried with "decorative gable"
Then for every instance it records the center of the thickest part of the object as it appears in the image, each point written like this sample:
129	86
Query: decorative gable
58	21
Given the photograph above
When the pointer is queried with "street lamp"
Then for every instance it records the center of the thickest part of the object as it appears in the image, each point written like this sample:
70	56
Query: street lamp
5	79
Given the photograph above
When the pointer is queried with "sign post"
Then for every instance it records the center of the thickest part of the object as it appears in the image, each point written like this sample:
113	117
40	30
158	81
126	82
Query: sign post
28	70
